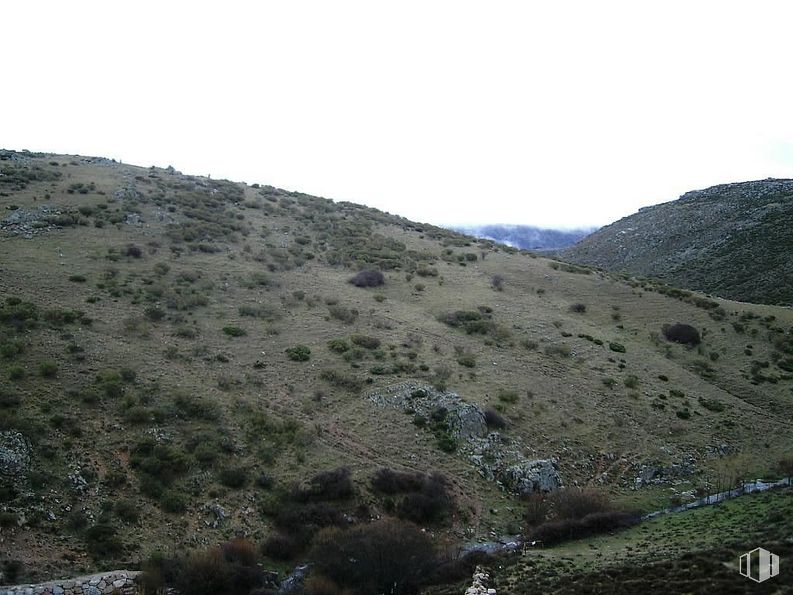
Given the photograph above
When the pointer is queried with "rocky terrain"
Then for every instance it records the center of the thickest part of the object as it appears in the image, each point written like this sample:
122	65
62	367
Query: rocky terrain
187	362
731	240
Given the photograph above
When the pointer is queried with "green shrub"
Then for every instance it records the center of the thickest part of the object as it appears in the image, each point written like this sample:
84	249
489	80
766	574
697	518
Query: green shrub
631	381
508	396
233	477
618	347
9	349
126	510
9	399
467	360
446	442
299	353
48	369
195	407
77	278
102	542
16	373
234	331
172	501
712	404
338	345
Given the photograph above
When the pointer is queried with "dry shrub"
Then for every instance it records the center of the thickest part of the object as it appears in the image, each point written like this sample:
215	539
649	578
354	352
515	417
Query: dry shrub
592	524
682	333
387	556
368	278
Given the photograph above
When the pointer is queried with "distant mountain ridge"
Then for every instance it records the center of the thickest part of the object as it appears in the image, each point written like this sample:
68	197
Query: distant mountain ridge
526	237
731	240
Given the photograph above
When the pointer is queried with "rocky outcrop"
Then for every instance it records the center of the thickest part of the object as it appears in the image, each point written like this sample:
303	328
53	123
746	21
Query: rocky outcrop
532	476
117	582
14	455
464	420
479	584
496	459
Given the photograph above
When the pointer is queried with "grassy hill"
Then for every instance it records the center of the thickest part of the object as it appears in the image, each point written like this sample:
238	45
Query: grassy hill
731	240
185	359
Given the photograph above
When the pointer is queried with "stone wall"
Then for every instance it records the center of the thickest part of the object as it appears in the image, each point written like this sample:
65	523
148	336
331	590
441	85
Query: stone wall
116	582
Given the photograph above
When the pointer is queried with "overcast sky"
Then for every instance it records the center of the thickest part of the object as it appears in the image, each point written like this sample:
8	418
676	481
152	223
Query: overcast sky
544	113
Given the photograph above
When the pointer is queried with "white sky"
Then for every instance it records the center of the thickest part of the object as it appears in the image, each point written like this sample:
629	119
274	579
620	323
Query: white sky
543	113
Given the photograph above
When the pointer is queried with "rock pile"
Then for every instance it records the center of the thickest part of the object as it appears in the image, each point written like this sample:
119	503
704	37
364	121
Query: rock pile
14	455
479	585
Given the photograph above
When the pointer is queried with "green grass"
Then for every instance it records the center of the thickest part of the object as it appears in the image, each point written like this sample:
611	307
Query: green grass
734	526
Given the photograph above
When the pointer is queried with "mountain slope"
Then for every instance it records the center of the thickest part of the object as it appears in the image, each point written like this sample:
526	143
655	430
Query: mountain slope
180	357
731	240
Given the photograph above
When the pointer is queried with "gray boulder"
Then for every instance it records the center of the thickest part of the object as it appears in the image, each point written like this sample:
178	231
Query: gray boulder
14	455
467	420
529	477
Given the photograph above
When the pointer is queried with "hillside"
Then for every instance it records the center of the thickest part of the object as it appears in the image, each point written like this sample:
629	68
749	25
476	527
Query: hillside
185	359
526	237
731	240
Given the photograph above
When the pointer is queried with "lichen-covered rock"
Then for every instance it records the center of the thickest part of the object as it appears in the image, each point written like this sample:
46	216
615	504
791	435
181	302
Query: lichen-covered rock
464	421
532	476
14	455
467	421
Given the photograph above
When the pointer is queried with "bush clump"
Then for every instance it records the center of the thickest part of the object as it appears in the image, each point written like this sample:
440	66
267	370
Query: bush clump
338	345
387	556
365	341
342	380
234	331
682	333
425	497
299	353
494	420
368	278
328	485
345	315
48	369
573	514
228	569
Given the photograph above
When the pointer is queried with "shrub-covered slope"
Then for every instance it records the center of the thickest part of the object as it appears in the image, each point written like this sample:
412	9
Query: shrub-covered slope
731	240
183	360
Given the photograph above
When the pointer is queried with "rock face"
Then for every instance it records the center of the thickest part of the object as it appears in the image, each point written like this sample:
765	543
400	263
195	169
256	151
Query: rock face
532	476
731	240
14	455
495	458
